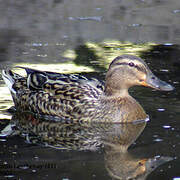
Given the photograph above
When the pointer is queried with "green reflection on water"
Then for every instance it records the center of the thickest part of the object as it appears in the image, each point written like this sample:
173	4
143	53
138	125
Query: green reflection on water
99	55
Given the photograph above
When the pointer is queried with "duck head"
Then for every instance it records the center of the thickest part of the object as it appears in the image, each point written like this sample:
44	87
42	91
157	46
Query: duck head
126	71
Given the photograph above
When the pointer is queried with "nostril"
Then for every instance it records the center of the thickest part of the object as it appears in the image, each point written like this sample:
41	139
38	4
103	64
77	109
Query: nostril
153	78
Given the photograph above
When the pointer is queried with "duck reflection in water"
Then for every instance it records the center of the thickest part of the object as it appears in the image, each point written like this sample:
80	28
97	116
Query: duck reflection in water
114	138
120	163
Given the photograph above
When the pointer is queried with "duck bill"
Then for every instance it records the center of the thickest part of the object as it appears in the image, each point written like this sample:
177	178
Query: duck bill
155	83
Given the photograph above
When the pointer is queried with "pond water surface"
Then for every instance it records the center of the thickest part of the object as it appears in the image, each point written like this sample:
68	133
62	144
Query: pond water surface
83	37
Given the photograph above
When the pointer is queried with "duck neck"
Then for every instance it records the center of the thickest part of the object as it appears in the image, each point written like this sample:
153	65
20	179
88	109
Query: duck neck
116	86
121	92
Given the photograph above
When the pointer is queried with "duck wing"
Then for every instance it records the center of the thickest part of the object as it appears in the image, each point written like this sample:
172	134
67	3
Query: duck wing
56	83
67	96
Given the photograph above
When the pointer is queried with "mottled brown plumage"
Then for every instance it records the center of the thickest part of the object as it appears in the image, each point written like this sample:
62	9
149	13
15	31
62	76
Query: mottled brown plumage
76	98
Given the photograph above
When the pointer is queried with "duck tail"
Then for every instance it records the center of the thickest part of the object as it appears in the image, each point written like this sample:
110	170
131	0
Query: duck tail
9	78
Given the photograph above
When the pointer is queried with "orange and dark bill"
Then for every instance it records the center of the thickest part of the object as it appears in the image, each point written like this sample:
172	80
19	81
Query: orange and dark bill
154	82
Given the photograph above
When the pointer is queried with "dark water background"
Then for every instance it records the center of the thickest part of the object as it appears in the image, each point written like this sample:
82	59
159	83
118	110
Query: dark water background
83	37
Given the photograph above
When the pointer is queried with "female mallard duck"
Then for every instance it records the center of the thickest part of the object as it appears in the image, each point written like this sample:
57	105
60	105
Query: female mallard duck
76	98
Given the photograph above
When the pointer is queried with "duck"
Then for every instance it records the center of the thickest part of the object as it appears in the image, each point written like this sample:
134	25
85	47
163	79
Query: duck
75	98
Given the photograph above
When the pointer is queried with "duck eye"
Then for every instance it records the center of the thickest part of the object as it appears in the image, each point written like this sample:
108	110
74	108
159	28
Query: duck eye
131	64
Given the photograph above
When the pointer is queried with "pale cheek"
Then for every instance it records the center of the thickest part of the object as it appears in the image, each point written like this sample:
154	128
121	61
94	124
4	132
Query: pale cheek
142	78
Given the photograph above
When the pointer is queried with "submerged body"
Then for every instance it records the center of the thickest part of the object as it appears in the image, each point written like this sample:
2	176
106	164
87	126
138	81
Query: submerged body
76	98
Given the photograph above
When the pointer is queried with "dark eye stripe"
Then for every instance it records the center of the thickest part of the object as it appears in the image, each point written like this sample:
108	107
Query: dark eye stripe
124	63
139	68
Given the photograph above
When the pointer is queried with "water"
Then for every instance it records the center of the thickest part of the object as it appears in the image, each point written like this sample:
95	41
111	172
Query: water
83	37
